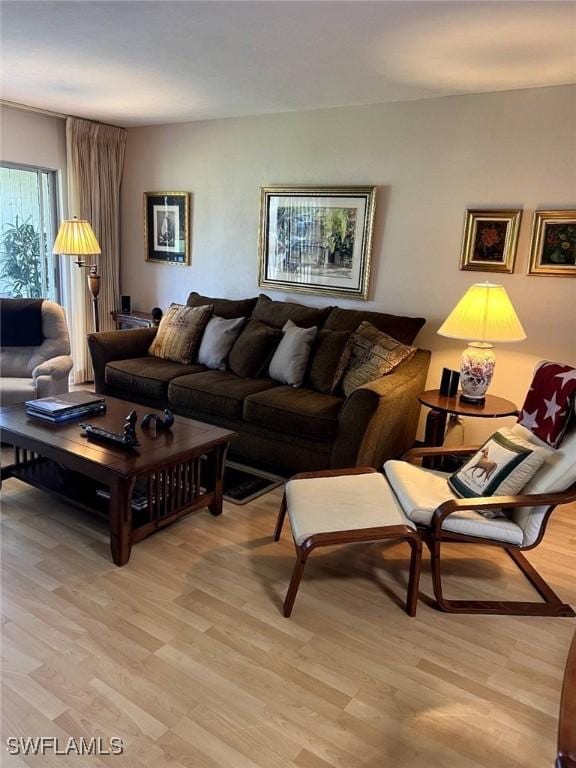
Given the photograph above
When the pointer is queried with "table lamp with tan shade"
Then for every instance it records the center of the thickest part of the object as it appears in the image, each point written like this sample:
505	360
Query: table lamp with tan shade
484	315
76	238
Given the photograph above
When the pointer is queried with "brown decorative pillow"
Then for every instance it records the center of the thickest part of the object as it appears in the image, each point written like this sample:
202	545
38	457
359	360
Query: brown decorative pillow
227	308
374	354
405	329
277	313
180	333
253	349
330	355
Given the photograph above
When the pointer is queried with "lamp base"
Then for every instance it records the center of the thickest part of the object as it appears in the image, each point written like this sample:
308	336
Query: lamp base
476	371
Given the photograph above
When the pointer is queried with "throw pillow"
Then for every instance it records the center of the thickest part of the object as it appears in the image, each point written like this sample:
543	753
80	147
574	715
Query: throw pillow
328	360
289	362
227	308
253	349
179	333
277	313
502	466
405	329
219	336
374	354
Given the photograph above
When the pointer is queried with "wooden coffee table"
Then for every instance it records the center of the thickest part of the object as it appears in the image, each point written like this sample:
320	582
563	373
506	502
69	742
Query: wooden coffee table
174	472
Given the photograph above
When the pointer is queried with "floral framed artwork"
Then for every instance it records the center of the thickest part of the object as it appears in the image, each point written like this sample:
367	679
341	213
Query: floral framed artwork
316	239
166	224
553	246
490	240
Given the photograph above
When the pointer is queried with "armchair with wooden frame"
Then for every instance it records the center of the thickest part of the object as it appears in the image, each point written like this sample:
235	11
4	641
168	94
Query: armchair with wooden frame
441	517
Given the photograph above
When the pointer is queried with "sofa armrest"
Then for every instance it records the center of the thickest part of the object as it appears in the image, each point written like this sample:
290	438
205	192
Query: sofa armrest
56	367
378	421
117	345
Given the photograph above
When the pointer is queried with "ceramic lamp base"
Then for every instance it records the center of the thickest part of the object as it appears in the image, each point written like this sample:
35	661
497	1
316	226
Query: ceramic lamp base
476	371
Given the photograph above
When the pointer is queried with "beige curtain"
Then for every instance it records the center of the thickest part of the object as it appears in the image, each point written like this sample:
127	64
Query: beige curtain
95	155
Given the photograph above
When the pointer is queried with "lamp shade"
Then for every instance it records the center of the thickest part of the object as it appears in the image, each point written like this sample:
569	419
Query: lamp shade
485	314
76	238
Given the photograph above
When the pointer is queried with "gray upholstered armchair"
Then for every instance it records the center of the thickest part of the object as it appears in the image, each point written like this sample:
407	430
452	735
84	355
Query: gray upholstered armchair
35	350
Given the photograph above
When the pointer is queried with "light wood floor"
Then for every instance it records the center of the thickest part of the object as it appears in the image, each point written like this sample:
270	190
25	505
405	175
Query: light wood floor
184	653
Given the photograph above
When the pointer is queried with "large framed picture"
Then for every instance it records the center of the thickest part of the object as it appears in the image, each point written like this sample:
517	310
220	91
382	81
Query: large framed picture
490	240
166	218
553	246
317	239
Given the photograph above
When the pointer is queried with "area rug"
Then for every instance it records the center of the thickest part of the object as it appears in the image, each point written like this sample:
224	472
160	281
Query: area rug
243	484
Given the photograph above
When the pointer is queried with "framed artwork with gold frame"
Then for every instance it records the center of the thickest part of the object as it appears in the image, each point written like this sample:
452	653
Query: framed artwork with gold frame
316	239
490	240
553	244
166	227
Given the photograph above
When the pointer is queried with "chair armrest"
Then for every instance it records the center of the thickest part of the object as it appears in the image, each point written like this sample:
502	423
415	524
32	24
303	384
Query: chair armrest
421	453
501	502
56	367
117	345
566	730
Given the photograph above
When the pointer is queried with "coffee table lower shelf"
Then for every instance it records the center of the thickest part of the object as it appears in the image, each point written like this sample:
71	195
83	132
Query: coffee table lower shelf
163	495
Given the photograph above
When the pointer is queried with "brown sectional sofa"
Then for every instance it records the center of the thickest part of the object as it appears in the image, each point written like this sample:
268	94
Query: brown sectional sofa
280	427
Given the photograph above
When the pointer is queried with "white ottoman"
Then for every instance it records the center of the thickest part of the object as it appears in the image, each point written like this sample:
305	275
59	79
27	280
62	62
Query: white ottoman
342	507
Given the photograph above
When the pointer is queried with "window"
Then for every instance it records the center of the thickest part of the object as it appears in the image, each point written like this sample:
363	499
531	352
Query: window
28	215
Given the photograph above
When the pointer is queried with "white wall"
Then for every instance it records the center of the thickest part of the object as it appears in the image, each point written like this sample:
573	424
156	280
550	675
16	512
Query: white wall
430	159
31	138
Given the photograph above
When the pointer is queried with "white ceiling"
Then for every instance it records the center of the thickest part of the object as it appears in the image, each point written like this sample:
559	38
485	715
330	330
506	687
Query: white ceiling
138	63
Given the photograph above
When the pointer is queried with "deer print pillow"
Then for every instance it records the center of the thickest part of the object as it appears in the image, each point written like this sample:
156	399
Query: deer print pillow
502	466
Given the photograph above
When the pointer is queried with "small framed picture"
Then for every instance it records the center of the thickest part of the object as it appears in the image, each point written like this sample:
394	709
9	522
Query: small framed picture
490	240
166	220
317	239
553	245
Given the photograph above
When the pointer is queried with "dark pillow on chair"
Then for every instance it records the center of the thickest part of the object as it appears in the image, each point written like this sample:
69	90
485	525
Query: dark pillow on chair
277	313
328	361
405	329
226	308
21	322
252	350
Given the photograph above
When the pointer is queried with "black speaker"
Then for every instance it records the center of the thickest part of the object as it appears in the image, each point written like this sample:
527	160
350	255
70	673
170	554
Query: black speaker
126	304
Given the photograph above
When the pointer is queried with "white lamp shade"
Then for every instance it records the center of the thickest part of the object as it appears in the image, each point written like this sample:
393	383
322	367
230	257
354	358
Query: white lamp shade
76	238
484	313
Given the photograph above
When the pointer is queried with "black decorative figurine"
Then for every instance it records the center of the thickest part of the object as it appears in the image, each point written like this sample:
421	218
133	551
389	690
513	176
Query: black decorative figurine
159	423
125	439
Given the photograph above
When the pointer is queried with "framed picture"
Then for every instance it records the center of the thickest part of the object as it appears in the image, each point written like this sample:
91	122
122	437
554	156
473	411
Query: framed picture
553	246
490	240
166	216
317	239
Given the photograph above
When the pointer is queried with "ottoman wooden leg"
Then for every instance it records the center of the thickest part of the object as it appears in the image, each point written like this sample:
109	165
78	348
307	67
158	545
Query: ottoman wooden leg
414	580
301	557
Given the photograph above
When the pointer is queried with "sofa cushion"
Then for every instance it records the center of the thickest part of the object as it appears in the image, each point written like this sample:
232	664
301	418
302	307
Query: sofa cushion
295	411
292	354
277	313
374	354
252	350
226	308
405	329
180	332
219	336
16	390
330	355
147	376
220	393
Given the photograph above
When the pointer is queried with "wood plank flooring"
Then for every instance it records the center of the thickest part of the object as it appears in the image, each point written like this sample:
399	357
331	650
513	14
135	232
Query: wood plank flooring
184	653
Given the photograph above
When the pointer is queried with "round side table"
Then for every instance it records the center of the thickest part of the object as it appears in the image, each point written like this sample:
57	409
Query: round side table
442	405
